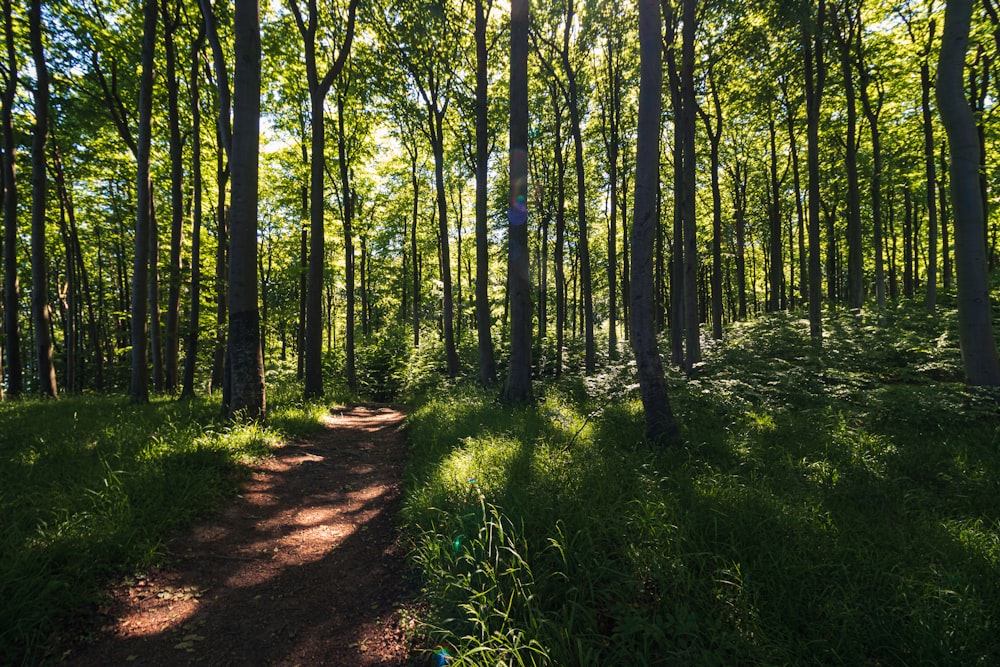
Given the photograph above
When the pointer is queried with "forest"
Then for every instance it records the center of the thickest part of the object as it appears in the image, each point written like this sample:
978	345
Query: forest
691	306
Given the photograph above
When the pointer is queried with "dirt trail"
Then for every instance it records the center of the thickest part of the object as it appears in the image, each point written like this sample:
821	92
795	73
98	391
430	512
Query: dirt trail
303	569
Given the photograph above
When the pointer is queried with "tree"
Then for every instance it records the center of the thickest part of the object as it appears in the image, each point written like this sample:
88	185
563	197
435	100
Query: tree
660	426
484	319
815	80
319	87
194	316
687	189
518	387
171	21
975	326
11	329
245	362
139	387
40	311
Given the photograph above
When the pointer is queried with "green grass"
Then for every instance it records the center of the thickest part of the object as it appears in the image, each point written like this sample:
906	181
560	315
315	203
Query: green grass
93	487
833	505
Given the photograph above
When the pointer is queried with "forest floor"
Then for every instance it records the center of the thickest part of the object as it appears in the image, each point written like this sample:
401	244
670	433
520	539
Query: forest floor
304	568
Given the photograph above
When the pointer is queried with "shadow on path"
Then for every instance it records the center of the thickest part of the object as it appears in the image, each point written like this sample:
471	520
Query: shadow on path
303	569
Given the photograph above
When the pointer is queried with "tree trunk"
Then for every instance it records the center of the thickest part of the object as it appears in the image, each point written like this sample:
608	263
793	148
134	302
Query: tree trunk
931	172
11	326
815	77
775	255
692	324
484	318
590	350
155	328
40	311
245	362
347	198
194	314
715	136
677	300
172	337
518	386
846	27
660	426
975	327
872	109
559	252
318	89
436	119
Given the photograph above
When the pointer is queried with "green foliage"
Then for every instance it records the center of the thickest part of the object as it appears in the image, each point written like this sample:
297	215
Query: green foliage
833	505
93	487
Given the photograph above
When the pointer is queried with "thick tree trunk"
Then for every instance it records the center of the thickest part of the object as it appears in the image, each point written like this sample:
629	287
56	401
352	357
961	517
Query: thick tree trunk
518	386
484	318
660	426
975	326
11	326
40	310
245	363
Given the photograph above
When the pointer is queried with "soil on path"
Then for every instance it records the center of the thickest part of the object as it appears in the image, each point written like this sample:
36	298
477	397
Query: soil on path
303	569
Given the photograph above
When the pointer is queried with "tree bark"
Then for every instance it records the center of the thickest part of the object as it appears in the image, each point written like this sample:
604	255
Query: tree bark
11	326
245	363
692	324
979	351
139	387
40	310
660	426
194	313
347	198
172	334
484	318
518	386
815	78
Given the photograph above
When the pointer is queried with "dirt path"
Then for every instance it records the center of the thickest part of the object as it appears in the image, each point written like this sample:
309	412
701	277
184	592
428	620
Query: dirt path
303	569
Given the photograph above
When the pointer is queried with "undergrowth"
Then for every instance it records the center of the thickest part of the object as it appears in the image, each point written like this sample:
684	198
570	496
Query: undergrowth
93	487
833	504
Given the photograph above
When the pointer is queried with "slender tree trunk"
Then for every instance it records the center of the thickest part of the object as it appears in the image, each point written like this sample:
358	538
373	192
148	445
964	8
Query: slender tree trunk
908	273
412	149
975	325
559	251
931	172
347	198
518	386
660	426
677	274
815	76
194	314
590	349
436	118
692	322
775	255
484	318
172	337
844	35
11	326
40	310
318	89
872	110
245	363
155	327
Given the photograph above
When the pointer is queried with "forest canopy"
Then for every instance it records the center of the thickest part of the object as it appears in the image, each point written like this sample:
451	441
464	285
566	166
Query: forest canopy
802	164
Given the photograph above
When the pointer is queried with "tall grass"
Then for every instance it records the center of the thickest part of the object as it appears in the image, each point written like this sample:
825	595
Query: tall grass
93	487
833	505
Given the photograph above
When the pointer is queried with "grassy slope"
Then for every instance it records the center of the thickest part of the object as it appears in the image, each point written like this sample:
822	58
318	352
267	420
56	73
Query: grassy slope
839	506
92	488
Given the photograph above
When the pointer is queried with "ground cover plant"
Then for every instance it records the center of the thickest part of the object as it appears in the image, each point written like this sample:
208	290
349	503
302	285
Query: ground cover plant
93	488
834	505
